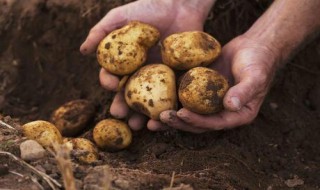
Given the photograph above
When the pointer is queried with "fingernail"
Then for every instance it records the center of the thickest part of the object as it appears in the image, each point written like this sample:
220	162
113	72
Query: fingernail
182	115
236	103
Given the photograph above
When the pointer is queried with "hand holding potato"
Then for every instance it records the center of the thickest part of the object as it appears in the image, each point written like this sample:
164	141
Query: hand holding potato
240	61
249	66
167	16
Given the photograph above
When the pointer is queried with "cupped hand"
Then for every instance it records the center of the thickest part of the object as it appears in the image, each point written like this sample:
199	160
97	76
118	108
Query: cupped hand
166	15
250	67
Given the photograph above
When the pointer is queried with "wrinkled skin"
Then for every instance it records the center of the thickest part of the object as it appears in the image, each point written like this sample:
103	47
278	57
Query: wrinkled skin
249	66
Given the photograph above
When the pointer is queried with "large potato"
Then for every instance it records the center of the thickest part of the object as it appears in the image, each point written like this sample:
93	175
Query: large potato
125	50
43	132
90	154
112	134
187	50
151	90
201	90
72	117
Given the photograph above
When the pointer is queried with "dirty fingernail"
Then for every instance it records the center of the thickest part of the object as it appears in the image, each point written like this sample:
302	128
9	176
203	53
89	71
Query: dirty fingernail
182	115
236	103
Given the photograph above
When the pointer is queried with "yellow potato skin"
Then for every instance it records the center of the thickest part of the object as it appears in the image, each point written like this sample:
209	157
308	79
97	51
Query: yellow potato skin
85	145
43	132
151	90
201	90
186	50
125	50
112	134
72	117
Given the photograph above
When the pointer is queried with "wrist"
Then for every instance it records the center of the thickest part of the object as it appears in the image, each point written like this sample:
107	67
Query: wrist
286	26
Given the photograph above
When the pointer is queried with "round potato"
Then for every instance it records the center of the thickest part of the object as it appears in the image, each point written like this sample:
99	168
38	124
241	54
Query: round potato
112	135
187	50
43	132
124	50
72	117
90	154
202	90
151	90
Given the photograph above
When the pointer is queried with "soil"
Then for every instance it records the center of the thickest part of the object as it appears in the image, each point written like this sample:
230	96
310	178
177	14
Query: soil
41	69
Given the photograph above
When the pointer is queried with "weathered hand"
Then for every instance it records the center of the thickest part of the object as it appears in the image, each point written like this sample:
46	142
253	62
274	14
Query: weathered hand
250	67
168	16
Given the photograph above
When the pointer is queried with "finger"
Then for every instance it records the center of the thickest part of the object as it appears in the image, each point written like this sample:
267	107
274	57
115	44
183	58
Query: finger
108	81
113	20
119	107
137	121
252	85
223	120
154	125
170	118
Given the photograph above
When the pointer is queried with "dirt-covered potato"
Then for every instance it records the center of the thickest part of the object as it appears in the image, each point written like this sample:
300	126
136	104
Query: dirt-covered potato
187	50
151	90
90	152
112	134
43	132
201	90
125	50
72	117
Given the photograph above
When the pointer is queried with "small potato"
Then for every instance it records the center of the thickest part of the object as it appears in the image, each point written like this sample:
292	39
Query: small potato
202	90
151	90
72	117
112	134
124	50
187	50
43	132
90	154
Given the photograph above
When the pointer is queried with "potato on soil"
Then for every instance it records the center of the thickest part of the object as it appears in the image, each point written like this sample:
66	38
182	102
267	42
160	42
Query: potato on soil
112	134
43	132
90	153
202	90
72	117
187	50
151	90
125	50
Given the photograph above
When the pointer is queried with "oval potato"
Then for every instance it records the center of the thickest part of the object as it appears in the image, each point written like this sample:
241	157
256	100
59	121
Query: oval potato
82	144
151	90
43	132
124	50
202	90
112	134
72	117
187	50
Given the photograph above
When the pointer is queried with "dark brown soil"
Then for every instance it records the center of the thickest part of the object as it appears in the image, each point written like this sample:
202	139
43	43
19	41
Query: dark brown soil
41	69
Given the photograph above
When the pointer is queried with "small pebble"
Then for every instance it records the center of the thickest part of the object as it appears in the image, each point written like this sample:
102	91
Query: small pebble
273	105
31	150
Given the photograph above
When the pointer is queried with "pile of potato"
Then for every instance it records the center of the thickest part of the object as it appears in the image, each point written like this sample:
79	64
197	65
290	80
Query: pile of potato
151	89
68	121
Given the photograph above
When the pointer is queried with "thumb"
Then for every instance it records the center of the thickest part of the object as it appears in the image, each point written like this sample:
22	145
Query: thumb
113	20
250	86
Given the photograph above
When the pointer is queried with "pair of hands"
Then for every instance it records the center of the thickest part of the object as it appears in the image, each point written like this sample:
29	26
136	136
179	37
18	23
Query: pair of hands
247	64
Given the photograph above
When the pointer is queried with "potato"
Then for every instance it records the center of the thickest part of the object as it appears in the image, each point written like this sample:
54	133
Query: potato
112	134
81	144
72	117
187	50
124	50
151	90
43	132
202	90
